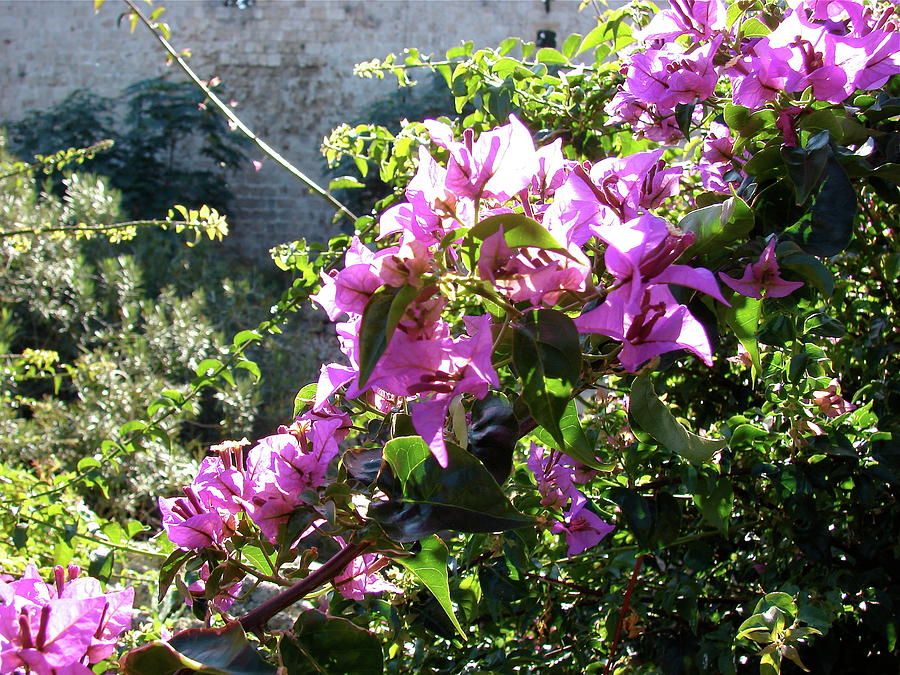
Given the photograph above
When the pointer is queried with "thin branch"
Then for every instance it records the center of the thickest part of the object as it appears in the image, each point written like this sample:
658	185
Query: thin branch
258	617
87	537
97	228
235	120
626	605
584	590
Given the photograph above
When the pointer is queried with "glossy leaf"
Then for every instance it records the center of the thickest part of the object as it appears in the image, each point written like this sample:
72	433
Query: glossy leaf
208	651
576	443
462	497
429	566
806	166
717	225
170	568
743	318
830	227
518	231
654	417
654	521
547	357
380	317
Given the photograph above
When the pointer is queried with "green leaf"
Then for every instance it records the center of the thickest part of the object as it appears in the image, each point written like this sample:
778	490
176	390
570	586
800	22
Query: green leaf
743	318
207	366
405	455
822	120
550	56
245	336
304	397
806	166
518	232
380	317
429	566
547	357
255	555
101	565
717	225
170	568
87	463
576	443
251	367
654	417
209	651
744	435
570	44
654	521
829	229
684	113
462	497
717	504
330	646
756	628
344	182
782	601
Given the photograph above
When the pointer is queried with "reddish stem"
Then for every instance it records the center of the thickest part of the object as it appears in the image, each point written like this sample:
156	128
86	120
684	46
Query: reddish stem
626	605
258	617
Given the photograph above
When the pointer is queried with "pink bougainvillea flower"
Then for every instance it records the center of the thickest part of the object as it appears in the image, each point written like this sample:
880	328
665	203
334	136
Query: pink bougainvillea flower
830	402
673	76
654	326
583	528
642	251
192	522
467	370
361	576
762	278
499	164
532	275
554	475
702	18
718	165
59	629
611	192
223	601
281	467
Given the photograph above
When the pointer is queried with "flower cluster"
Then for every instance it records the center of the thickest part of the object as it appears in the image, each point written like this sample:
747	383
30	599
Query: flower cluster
501	178
830	47
267	484
59	628
556	476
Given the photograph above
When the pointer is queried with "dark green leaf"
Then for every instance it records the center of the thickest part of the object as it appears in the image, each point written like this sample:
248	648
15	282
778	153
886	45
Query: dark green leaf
170	568
462	497
717	225
716	504
380	317
684	114
806	166
654	417
330	646
654	521
429	566
209	651
834	208
547	357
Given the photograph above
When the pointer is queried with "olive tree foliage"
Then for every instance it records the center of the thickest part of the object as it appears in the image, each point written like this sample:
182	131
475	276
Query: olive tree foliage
618	385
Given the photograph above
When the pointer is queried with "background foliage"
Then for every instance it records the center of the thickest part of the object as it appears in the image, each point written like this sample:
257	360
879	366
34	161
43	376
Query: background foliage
783	538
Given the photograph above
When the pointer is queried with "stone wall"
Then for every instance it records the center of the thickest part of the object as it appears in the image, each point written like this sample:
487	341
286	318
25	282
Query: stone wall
288	62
